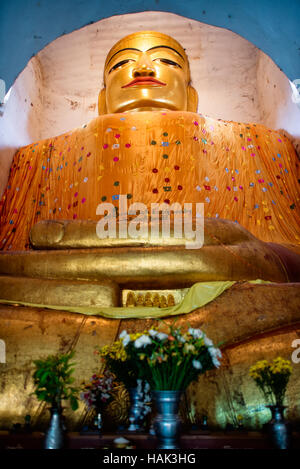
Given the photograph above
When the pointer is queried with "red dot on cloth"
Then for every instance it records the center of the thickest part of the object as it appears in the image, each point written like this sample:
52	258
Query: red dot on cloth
83	200
176	167
76	194
74	216
117	135
166	201
89	154
155	191
128	145
179	188
167	180
236	199
116	158
154	170
69	206
105	145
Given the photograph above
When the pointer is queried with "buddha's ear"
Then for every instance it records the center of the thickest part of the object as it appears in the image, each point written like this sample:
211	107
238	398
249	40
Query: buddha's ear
192	99
102	102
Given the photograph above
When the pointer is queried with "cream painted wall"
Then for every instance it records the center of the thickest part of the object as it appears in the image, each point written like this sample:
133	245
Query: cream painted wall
63	81
20	116
277	109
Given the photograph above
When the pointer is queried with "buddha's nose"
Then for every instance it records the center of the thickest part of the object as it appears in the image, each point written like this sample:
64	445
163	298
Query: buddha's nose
144	67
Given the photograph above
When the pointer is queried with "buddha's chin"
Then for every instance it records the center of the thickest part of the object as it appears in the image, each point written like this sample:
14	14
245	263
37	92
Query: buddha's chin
147	105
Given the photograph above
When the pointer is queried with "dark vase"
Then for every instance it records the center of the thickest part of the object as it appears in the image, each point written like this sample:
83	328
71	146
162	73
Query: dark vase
279	429
167	422
54	437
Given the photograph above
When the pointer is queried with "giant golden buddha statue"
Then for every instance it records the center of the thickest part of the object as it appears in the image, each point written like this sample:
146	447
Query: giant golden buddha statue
148	145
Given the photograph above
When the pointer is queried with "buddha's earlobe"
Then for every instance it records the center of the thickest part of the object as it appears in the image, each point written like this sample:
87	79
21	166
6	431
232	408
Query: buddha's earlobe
102	102
192	99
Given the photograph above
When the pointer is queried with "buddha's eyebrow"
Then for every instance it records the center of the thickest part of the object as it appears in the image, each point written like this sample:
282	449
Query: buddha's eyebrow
166	47
121	50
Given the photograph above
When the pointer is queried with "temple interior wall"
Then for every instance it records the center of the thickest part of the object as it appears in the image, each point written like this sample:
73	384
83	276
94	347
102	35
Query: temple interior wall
276	107
58	89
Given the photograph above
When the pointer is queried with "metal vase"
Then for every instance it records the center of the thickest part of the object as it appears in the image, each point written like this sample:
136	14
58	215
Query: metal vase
279	429
167	422
135	417
98	420
54	437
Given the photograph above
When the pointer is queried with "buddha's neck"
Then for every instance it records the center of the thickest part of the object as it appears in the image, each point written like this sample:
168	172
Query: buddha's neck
141	109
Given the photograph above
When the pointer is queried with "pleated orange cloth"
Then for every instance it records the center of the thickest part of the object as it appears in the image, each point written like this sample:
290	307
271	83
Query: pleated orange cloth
241	172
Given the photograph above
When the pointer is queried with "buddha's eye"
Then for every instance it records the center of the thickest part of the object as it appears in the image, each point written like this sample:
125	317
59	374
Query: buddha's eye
119	64
168	62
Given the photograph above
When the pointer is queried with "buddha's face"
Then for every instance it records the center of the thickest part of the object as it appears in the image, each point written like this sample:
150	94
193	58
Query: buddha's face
146	71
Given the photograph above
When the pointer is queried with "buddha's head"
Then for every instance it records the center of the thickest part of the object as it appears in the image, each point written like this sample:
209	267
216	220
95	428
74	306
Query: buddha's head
147	71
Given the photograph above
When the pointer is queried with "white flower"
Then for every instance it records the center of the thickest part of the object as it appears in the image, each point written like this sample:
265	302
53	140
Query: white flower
208	342
125	337
216	362
162	336
153	333
197	364
215	353
196	333
180	338
142	341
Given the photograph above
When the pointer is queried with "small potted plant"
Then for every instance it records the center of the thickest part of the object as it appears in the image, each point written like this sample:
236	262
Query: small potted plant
272	379
53	383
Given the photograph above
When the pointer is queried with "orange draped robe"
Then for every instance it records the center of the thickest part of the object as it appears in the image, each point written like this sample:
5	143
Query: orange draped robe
241	172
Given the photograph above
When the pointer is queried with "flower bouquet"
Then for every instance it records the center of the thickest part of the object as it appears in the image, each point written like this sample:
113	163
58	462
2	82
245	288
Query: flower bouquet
172	360
98	393
272	378
118	362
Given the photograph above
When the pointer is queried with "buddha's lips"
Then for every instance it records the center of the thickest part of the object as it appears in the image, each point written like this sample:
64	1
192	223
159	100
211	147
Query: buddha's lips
144	81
